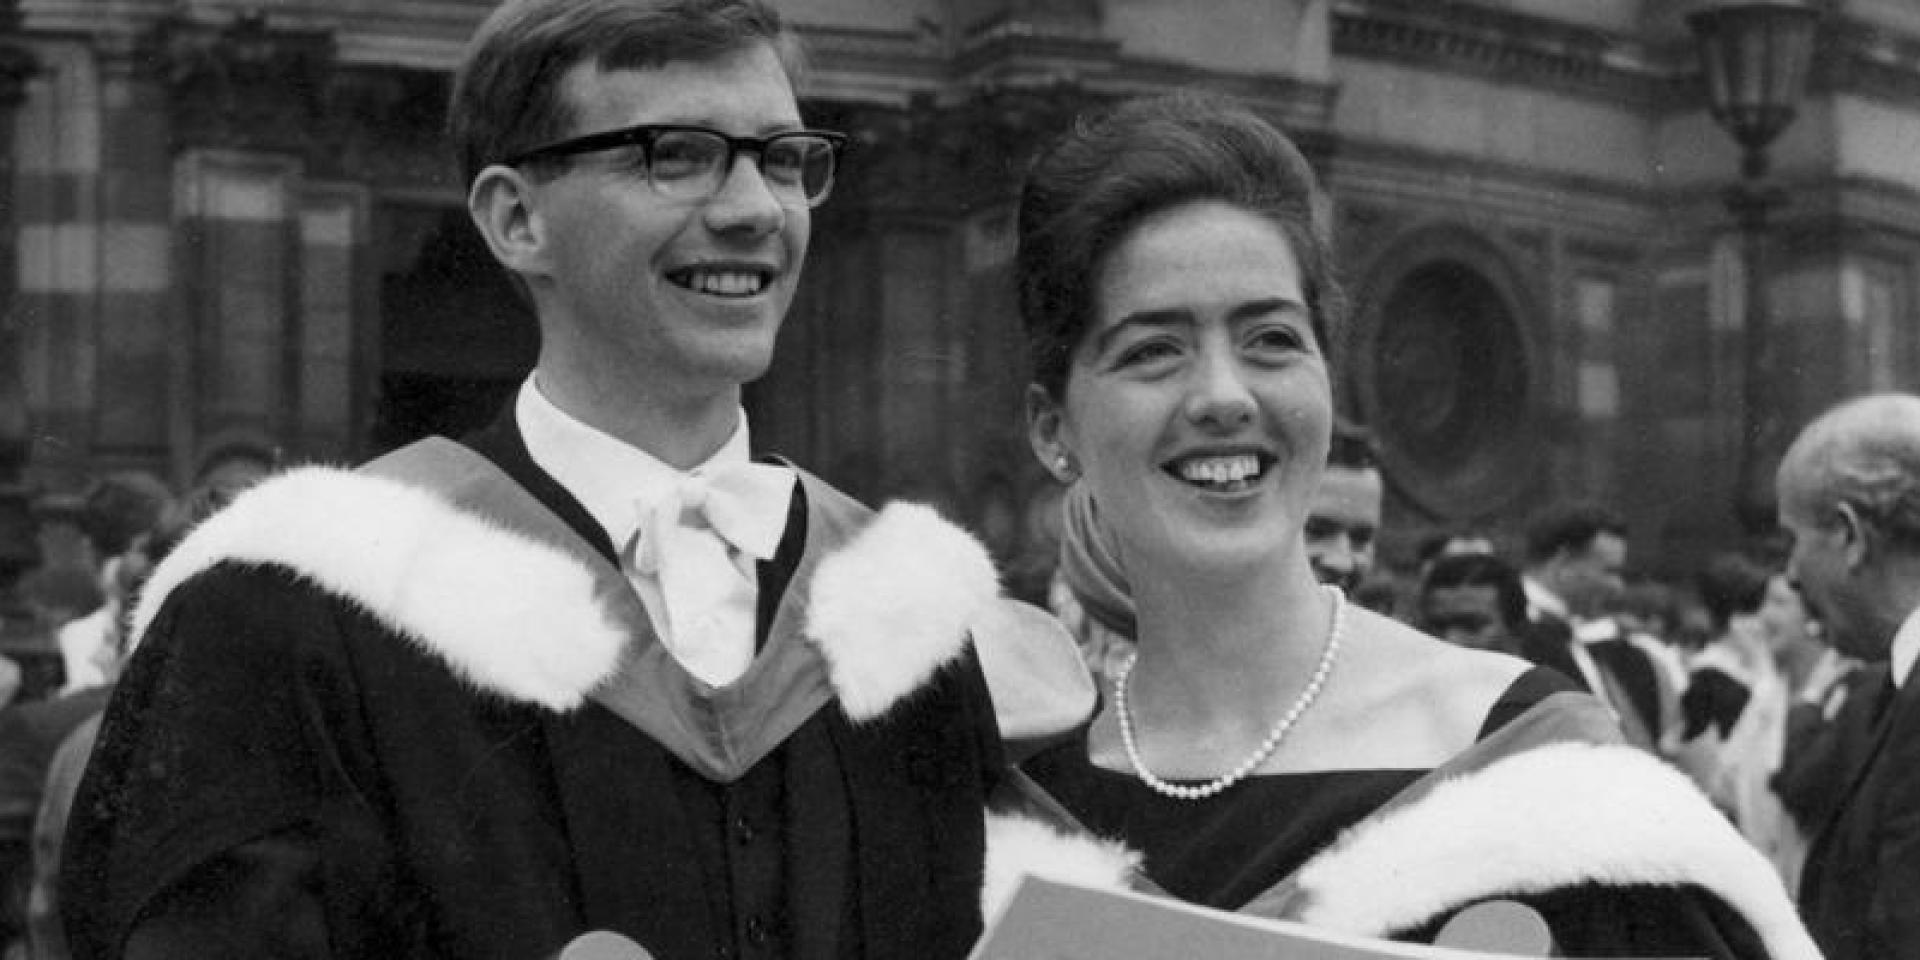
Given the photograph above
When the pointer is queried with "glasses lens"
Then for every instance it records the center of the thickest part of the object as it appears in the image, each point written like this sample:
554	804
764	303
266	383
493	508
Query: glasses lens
802	162
687	163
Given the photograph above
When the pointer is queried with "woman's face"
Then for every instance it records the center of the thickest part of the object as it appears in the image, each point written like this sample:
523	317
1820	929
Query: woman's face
1197	404
1783	616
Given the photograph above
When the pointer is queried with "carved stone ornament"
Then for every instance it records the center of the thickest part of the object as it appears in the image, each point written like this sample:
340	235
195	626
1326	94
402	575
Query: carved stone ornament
245	85
952	158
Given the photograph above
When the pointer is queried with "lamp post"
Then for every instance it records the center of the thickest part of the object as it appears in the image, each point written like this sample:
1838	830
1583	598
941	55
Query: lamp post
1755	56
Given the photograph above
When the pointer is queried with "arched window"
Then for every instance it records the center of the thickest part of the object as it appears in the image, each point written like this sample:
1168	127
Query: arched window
1444	377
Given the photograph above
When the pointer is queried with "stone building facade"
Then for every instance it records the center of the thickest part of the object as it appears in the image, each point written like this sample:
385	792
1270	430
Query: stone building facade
234	233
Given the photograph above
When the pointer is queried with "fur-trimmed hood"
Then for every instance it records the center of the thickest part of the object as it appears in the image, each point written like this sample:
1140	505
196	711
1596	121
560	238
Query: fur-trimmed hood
1546	818
523	615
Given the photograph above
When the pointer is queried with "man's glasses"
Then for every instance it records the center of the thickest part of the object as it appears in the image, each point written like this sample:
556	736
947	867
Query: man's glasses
691	163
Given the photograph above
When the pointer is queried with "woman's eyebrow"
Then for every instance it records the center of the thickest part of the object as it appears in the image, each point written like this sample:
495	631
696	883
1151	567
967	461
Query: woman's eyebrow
1156	319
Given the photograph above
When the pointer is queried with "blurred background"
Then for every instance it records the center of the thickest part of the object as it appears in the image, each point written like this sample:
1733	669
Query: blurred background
1616	249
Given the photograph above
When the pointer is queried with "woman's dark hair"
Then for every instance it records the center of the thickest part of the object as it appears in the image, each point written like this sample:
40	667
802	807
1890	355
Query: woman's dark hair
1109	172
1732	583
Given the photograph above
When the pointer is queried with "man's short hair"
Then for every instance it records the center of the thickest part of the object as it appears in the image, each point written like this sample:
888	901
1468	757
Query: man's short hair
1570	527
1481	570
506	94
121	508
1864	453
1351	447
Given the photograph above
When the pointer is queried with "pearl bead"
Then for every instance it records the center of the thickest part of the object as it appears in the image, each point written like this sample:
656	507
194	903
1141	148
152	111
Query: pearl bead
1335	633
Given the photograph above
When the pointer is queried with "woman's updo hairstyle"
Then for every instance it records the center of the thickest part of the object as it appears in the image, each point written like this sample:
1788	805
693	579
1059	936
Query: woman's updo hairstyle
1110	171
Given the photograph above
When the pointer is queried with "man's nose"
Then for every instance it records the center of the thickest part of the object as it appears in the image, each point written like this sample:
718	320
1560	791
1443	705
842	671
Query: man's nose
745	201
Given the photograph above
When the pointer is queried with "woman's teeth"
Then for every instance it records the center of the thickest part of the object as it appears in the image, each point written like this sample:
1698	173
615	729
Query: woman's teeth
1234	472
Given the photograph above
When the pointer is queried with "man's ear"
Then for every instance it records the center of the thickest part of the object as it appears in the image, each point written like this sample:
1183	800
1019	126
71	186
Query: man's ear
1856	537
500	203
1046	433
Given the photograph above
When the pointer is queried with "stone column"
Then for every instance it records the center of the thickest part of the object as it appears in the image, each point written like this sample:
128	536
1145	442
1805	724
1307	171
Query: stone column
18	549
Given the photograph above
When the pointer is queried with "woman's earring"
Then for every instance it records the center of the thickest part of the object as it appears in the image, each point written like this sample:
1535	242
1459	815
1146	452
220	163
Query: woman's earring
1065	469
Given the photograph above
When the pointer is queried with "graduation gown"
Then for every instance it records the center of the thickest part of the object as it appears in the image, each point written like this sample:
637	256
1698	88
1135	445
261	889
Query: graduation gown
1551	811
413	711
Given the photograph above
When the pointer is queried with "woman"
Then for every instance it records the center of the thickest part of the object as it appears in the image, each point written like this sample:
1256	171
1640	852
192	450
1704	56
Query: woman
1269	746
1811	676
1734	709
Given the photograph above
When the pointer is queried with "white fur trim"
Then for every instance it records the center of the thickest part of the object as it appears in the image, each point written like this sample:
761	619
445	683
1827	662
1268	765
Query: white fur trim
1018	846
509	614
1547	818
893	606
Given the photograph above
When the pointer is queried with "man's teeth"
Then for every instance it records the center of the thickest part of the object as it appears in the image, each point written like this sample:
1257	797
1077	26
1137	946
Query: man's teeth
725	283
1220	470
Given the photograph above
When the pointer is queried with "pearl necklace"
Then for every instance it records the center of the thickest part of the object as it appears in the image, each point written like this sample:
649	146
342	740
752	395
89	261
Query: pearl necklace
1266	747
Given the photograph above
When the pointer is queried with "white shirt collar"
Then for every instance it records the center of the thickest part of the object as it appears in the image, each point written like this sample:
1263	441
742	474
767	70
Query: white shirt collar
1906	648
1541	600
607	475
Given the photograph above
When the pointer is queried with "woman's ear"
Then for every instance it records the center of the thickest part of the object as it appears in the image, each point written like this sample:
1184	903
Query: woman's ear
1047	434
501	206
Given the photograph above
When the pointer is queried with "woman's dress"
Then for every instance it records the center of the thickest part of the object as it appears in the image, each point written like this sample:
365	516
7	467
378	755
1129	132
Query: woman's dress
1265	845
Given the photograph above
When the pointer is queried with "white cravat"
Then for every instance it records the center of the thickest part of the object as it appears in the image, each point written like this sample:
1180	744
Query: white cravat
700	537
624	488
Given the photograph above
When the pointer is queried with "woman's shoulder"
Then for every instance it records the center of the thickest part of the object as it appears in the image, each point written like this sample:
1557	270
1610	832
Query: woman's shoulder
1425	699
1452	678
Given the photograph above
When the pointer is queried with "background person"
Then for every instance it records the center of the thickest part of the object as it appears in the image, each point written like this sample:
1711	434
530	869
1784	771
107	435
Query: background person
1343	524
1576	555
1734	710
1849	495
1474	600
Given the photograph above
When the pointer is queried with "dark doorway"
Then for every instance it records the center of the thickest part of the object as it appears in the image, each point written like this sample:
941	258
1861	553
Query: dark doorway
456	338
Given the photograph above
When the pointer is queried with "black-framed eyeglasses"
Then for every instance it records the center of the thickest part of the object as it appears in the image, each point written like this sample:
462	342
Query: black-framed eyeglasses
691	163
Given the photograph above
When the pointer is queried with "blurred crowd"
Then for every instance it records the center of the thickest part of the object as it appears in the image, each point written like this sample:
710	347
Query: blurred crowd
63	638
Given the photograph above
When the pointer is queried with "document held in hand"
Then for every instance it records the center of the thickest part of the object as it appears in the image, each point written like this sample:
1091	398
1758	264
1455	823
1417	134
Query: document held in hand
1049	920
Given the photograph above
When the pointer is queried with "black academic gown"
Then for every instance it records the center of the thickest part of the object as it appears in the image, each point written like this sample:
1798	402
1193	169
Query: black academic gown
1619	851
1632	675
415	711
1860	890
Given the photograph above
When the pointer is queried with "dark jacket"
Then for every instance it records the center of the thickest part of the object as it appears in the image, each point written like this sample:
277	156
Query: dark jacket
1860	890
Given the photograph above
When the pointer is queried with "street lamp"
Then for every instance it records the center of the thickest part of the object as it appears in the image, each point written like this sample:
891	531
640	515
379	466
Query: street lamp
1755	56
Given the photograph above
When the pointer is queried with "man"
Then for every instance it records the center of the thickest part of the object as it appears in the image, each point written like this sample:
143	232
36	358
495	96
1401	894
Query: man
117	513
1849	495
1576	554
1474	600
594	669
1344	519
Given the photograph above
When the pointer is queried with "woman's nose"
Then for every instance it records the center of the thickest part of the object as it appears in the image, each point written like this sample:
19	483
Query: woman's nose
1220	395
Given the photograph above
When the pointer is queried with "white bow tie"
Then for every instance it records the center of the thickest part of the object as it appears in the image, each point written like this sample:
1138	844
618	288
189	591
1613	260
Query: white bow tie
745	503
